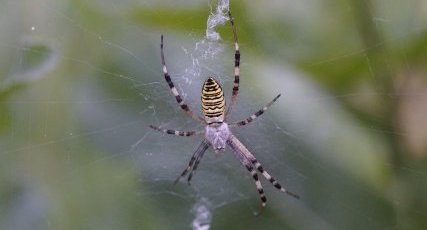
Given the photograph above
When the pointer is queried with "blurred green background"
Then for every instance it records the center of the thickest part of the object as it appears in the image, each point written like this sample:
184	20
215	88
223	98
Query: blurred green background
80	81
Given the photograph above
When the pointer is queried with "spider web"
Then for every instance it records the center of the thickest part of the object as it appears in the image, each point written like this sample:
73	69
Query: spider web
81	82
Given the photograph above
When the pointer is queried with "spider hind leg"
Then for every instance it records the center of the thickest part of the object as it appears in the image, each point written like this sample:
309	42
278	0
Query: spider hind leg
259	188
273	181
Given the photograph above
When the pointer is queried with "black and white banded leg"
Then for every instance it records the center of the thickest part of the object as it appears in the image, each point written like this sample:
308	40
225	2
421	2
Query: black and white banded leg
196	163
245	156
259	188
273	181
250	167
196	157
173	88
255	115
177	132
236	66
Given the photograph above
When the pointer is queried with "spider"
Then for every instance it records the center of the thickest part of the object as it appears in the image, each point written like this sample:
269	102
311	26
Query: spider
217	132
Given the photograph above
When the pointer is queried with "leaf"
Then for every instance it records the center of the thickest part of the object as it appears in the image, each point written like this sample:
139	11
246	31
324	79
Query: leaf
34	60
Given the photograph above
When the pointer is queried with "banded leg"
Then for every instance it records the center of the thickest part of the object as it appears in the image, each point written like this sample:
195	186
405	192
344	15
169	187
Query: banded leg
255	115
176	132
273	181
197	154
239	148
196	163
174	90
249	166
259	188
236	66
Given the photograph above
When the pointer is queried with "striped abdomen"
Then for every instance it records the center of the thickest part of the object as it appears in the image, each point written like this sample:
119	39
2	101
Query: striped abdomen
213	102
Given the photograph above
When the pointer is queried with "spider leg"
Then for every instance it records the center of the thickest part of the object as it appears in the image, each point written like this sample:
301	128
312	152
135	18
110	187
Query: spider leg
259	188
273	181
236	66
250	167
240	149
196	155
196	163
174	90
177	132
253	116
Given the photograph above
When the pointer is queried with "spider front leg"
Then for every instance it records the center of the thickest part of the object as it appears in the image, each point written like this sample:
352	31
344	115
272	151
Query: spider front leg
174	90
236	66
255	115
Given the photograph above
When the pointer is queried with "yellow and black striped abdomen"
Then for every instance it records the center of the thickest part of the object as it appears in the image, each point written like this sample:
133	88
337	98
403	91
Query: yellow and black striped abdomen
213	102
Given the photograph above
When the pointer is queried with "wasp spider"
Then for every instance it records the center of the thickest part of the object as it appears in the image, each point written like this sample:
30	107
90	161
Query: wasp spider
217	130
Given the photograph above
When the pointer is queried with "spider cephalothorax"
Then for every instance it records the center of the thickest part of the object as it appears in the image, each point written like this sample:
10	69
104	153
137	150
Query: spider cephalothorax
217	134
217	131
